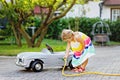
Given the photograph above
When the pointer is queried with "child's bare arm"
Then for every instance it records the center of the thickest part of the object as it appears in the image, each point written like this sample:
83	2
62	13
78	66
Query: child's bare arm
67	50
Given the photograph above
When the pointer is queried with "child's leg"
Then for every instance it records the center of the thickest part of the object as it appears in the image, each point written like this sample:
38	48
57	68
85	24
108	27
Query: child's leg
84	64
82	67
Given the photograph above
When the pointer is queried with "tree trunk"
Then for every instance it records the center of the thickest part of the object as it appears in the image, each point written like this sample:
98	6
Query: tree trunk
17	36
37	33
26	36
42	35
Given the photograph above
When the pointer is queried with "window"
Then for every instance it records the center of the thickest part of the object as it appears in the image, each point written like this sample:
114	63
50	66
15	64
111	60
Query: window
115	14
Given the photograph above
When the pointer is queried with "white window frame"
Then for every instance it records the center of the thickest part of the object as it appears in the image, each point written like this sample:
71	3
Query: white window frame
115	14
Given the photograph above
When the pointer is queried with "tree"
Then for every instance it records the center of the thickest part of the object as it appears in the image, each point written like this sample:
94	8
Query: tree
18	11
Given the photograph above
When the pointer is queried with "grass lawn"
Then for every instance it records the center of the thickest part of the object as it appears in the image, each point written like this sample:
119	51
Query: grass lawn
13	50
57	45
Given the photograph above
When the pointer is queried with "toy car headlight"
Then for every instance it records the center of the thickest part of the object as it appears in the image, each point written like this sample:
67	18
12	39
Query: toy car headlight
21	59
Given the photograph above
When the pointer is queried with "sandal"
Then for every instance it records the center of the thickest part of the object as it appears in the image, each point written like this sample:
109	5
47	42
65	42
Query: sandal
81	69
75	70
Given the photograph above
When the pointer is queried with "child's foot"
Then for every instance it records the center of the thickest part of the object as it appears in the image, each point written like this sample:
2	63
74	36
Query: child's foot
81	69
75	70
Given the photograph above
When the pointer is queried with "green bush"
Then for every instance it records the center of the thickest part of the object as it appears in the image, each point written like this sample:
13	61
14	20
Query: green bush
6	32
2	37
115	30
85	26
56	27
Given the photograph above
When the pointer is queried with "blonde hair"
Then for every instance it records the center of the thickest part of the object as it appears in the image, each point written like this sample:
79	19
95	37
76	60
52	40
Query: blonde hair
66	34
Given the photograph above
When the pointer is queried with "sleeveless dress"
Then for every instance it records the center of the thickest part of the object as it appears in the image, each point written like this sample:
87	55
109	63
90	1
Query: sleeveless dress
80	56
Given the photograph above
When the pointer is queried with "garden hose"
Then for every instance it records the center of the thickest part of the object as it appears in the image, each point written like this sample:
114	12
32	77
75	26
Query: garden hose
85	73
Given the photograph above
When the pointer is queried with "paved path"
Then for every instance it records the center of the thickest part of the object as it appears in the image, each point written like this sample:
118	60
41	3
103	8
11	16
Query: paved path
107	59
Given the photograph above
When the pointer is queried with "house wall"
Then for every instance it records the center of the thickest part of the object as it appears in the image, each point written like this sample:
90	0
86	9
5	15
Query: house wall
75	11
88	10
91	10
105	12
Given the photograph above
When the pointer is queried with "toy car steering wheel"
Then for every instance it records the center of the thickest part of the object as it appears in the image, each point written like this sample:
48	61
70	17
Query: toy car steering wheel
49	48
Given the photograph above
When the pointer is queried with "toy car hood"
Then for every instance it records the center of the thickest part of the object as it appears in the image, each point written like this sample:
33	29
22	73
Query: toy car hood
41	54
30	54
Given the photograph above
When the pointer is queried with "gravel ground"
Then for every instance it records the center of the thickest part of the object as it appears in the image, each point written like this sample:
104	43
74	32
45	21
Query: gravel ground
106	60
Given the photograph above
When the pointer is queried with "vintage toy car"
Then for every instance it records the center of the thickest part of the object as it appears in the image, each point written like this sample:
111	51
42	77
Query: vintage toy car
37	60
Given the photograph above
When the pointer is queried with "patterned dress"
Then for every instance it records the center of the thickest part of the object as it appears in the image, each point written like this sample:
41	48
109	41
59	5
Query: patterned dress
80	56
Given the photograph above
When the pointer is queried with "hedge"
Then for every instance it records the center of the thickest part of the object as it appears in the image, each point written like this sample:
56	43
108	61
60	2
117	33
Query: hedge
82	24
85	26
115	29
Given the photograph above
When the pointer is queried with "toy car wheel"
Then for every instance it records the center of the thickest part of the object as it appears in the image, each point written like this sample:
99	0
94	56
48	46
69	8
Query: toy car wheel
70	65
37	66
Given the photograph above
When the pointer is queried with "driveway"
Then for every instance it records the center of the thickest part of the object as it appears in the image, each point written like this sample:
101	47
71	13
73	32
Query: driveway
107	59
